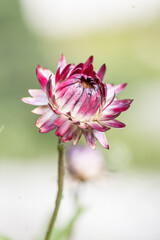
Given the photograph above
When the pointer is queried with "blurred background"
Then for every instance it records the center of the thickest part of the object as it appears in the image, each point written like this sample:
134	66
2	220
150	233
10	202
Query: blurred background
123	34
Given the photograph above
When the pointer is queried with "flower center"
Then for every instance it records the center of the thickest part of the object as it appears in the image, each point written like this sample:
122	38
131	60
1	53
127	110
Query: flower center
86	83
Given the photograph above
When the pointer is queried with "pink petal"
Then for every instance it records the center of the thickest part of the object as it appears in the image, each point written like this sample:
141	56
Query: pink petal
61	92
88	70
90	139
109	86
79	104
119	88
35	101
76	136
40	110
49	89
100	136
46	117
60	120
101	72
57	76
63	128
118	106
48	73
69	134
98	127
110	98
62	102
108	116
62	62
80	65
65	72
88	62
114	123
85	105
76	71
93	107
70	103
37	93
43	76
104	91
53	103
121	103
66	83
47	126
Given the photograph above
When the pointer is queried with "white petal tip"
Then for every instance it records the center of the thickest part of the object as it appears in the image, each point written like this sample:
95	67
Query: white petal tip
93	147
24	99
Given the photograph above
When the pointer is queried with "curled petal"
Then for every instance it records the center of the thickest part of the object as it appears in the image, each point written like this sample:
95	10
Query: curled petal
90	139
80	65
49	89
76	71
62	62
104	92
43	76
100	136
57	76
65	72
101	72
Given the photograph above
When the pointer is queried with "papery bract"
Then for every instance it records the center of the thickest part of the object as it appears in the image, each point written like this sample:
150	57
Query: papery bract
76	101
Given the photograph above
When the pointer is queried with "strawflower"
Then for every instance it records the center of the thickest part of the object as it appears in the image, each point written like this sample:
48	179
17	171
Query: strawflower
76	101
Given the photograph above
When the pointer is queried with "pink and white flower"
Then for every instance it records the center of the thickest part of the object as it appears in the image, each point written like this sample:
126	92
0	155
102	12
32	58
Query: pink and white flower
76	101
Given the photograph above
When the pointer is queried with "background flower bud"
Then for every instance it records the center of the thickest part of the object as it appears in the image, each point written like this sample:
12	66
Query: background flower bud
84	163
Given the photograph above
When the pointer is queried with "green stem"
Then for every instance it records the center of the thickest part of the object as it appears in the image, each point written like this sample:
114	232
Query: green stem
60	190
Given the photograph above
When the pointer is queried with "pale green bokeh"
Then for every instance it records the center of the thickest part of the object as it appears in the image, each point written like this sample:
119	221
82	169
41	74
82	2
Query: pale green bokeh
132	55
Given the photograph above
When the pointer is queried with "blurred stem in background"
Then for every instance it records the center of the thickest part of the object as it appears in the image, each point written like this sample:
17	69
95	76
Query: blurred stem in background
60	189
66	232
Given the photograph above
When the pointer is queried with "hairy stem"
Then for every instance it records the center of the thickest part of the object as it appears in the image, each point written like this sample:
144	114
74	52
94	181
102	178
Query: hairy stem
60	190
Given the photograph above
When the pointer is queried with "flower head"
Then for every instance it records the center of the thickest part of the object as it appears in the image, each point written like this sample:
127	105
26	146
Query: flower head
84	163
76	101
